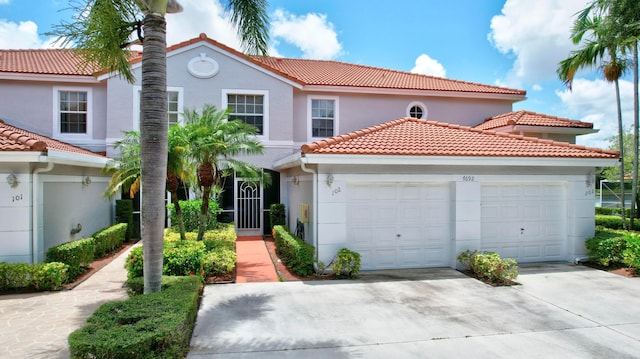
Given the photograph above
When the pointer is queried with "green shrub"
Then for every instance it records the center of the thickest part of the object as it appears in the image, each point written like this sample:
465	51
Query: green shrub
223	232
347	263
78	255
157	325
124	214
631	254
219	261
607	246
50	276
134	264
277	215
294	252
615	222
109	239
191	214
489	266
17	277
183	258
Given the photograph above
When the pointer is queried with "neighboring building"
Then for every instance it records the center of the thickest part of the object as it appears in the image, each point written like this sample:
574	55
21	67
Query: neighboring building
400	188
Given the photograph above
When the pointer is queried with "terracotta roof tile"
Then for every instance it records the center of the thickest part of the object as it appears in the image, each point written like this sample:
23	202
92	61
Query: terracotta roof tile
45	61
528	118
410	136
16	139
305	72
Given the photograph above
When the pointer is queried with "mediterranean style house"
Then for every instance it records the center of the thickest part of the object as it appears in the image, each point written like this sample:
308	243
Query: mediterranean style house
407	169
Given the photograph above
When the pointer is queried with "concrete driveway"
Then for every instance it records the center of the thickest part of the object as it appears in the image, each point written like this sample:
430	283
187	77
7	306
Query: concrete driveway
559	310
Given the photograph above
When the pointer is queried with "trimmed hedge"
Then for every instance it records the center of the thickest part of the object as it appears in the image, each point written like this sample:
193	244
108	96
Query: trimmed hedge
78	255
615	222
124	214
157	325
109	239
16	277
294	252
607	246
191	214
277	215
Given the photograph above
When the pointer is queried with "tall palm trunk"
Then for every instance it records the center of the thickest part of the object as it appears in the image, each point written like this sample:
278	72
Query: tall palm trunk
621	147
636	122
153	148
172	187
204	212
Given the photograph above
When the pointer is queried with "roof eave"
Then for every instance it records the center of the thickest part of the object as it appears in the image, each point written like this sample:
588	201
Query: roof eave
316	158
555	129
413	92
20	76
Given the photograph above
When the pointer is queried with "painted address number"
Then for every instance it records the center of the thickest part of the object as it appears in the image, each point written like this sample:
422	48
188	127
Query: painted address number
16	198
468	179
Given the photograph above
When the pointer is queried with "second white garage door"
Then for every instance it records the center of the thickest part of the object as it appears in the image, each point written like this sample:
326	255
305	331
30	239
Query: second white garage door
399	225
526	222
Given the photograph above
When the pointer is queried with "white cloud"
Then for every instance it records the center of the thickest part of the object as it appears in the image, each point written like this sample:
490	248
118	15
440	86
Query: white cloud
536	33
427	66
595	101
4	2
311	33
23	35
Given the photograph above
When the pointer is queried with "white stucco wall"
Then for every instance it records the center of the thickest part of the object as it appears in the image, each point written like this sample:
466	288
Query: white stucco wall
15	215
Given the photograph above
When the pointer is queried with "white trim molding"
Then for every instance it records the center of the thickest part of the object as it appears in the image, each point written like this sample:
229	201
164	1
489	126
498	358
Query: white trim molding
425	110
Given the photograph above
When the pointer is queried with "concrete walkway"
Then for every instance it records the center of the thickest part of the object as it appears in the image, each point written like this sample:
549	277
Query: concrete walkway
254	263
37	325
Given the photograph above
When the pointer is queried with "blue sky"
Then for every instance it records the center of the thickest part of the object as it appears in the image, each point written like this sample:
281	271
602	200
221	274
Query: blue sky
513	43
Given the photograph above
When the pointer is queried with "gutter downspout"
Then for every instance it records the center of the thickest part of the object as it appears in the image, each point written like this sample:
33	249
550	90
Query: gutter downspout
34	209
314	233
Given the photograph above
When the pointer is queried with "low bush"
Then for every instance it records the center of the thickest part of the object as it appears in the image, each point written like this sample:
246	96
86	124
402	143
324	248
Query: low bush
489	266
607	246
124	214
18	277
134	263
223	232
183	258
109	239
612	211
631	254
277	215
615	222
157	325
78	255
347	263
294	252
191	214
219	261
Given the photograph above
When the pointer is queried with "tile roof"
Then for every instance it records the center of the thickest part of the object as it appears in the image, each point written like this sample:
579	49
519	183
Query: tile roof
334	73
304	72
14	139
45	61
529	118
414	137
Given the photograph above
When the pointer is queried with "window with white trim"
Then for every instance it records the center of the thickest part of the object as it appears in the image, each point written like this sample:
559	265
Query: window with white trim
417	110
323	116
248	106
72	111
175	104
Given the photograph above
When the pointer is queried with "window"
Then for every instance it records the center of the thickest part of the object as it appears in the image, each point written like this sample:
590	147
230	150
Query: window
417	110
71	112
174	105
248	106
323	117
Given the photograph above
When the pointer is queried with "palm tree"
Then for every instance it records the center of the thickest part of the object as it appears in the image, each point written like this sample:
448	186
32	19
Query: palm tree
601	47
214	142
101	31
125	172
179	169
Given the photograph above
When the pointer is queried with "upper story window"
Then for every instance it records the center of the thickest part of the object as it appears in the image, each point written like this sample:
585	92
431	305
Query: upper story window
248	106
175	103
72	111
417	110
323	116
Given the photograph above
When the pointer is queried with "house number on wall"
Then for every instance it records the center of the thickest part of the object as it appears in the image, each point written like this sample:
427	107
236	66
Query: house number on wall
336	191
468	179
16	198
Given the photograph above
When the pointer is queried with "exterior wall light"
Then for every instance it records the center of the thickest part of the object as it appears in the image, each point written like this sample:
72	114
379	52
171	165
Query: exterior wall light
12	180
86	181
329	180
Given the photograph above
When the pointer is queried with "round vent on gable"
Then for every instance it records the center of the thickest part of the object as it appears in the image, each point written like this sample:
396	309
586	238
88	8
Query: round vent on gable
203	67
417	110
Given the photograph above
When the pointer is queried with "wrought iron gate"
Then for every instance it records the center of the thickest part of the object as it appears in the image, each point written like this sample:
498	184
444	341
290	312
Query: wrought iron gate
249	206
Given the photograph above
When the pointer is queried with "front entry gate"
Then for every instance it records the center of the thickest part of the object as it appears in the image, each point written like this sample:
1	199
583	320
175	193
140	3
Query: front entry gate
248	207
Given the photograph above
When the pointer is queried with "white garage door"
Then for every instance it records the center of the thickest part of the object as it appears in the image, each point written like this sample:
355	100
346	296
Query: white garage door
526	222
399	225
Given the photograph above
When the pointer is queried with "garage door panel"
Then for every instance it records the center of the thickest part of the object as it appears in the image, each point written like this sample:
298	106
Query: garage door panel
524	221
409	224
361	237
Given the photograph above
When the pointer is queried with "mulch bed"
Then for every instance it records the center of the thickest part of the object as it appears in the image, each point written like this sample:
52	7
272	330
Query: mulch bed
615	268
283	272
